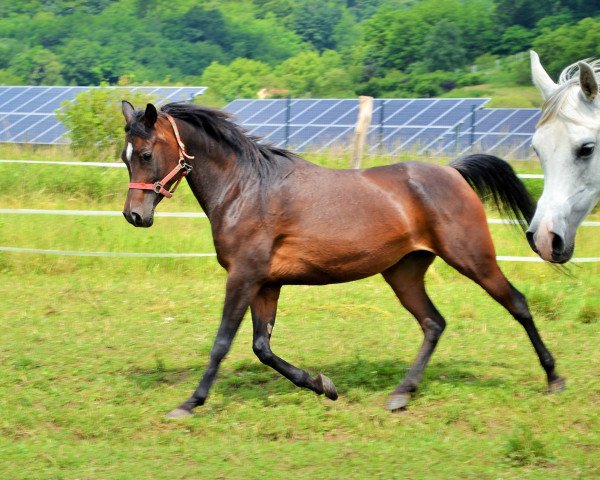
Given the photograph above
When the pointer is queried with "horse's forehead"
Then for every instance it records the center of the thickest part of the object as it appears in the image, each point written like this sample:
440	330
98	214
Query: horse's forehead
140	136
568	127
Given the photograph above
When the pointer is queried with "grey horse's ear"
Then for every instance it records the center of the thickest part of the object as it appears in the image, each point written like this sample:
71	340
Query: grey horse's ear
128	110
150	115
588	82
540	78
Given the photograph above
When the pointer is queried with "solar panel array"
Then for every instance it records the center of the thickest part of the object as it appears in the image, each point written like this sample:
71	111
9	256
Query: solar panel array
27	112
501	131
432	126
316	124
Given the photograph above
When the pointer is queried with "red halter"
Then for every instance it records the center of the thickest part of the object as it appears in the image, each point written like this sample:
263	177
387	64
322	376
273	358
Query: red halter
182	168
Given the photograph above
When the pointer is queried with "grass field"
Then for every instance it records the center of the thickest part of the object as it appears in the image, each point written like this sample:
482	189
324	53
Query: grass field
95	351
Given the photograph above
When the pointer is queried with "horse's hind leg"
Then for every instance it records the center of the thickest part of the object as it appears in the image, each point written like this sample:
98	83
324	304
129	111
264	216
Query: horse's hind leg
407	280
264	308
488	275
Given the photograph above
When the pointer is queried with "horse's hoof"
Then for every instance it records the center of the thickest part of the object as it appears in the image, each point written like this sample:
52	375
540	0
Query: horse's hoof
328	386
179	413
557	385
398	401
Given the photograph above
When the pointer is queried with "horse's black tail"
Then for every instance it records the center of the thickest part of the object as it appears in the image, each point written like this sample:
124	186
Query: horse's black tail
491	176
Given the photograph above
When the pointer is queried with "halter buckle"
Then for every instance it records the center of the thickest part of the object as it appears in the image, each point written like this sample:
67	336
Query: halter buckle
186	167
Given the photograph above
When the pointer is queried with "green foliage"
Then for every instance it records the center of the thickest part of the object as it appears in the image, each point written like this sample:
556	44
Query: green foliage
314	74
37	66
242	78
95	123
398	38
444	48
89	42
515	39
314	21
568	43
525	13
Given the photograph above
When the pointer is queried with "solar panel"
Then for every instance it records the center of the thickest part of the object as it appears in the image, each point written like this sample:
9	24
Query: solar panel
446	126
314	124
27	112
499	131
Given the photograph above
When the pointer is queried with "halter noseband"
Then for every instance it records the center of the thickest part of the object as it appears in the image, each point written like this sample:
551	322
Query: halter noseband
182	168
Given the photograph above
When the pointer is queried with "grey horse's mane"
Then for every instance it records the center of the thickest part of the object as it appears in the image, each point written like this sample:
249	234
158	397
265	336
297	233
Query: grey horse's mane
564	96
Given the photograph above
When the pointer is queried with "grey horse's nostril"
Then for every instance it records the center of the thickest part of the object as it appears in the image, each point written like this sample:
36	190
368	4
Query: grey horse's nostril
531	241
558	245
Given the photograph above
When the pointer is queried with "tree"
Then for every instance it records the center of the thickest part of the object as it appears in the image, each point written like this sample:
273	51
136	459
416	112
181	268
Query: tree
202	25
242	78
396	38
524	13
515	39
95	123
568	44
443	47
315	22
37	66
82	60
313	75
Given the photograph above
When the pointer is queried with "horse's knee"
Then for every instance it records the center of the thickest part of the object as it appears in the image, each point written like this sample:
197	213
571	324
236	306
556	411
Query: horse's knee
520	308
219	350
262	350
433	328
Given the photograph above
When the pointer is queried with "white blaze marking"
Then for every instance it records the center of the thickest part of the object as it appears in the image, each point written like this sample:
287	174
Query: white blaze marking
129	151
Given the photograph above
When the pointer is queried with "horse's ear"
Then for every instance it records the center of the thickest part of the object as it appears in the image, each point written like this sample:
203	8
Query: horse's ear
540	78
588	82
150	115
128	111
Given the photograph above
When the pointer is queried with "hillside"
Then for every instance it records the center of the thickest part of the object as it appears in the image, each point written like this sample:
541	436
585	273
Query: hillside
314	48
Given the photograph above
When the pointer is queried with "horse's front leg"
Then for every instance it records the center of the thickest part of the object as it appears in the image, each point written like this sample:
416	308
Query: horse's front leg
238	295
264	309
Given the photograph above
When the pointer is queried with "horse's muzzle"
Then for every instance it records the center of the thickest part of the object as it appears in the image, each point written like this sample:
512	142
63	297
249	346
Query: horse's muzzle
137	220
553	248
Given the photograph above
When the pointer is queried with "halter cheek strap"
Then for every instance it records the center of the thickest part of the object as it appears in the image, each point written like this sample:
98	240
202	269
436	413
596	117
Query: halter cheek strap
181	170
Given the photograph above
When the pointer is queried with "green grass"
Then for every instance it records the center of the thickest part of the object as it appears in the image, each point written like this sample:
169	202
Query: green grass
95	351
501	96
93	356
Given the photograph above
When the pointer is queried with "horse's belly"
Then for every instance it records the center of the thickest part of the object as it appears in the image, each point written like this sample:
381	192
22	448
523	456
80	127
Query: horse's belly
336	260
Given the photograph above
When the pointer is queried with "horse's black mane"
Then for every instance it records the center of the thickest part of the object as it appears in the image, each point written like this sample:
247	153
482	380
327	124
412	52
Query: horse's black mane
219	126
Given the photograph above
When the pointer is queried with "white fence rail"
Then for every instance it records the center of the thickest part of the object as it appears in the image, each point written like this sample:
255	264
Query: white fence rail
109	213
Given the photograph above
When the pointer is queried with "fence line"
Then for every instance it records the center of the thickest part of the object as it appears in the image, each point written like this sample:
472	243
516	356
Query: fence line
115	213
94	213
122	165
108	213
74	164
77	253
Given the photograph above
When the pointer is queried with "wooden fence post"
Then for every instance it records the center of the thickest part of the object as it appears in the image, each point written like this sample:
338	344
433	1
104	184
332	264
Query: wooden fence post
365	112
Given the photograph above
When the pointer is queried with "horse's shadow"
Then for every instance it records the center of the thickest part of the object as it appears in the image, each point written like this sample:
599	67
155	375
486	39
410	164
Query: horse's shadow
251	380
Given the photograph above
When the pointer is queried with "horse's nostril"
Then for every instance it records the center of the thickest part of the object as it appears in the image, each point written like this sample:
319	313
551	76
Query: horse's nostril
136	219
558	245
531	241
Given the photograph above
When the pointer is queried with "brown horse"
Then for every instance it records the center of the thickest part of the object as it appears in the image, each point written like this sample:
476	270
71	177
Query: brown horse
277	220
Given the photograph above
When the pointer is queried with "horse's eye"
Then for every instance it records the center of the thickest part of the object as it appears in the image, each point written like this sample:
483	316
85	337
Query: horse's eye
586	150
146	156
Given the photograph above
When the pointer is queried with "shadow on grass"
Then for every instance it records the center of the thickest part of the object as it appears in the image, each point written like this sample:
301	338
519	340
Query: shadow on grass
246	379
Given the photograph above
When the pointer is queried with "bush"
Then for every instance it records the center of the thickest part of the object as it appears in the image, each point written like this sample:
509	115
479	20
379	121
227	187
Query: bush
95	123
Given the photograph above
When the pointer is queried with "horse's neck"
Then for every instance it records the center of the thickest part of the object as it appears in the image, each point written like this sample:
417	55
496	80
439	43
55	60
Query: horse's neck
216	182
